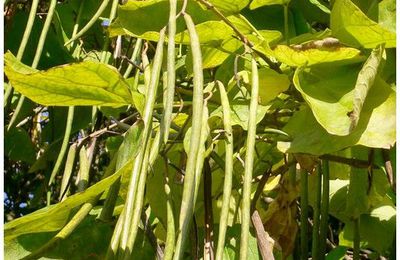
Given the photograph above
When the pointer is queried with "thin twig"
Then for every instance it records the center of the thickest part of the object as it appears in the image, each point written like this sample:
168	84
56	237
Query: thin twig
241	36
208	213
262	237
349	161
150	235
389	169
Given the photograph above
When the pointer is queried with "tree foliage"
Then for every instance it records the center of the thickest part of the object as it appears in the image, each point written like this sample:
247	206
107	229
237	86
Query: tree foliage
199	129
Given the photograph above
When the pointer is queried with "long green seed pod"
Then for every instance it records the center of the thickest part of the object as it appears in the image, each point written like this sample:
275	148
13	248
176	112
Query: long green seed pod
66	231
304	214
113	12
223	222
149	159
36	59
170	239
24	42
202	154
135	54
324	207
84	168
147	119
137	211
113	247
68	127
64	145
73	223
28	29
316	216
186	211
249	160
69	165
96	16
77	51
112	195
170	88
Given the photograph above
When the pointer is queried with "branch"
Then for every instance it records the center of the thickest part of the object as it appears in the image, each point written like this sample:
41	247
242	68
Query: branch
262	237
241	36
349	161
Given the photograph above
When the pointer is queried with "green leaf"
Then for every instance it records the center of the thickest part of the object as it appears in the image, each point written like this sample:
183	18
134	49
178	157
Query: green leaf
87	83
365	79
258	3
377	229
155	185
210	32
239	101
331	95
387	14
136	18
54	217
230	6
312	138
306	37
352	27
320	6
357	195
89	230
18	145
218	41
98	233
271	84
130	146
232	247
337	254
336	55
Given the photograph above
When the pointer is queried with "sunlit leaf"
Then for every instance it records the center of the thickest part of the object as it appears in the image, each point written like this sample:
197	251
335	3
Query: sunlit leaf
354	28
308	57
271	84
258	3
320	6
54	217
312	138
131	17
98	233
230	6
377	229
232	247
81	84
331	95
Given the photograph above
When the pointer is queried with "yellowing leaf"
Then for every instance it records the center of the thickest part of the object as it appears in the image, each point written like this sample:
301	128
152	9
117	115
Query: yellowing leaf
259	3
352	27
312	56
230	6
271	84
79	84
280	218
